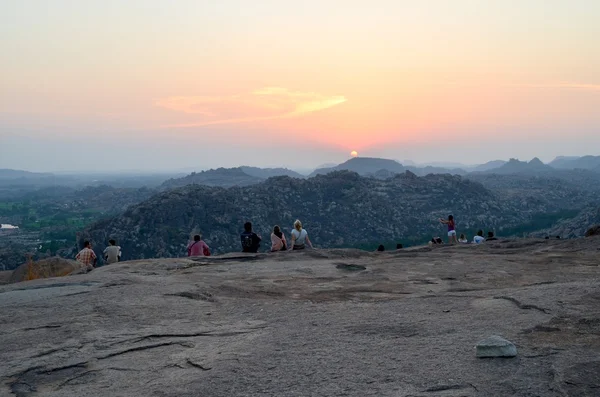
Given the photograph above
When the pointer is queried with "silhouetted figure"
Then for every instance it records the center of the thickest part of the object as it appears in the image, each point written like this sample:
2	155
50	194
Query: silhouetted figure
490	237
250	240
381	248
399	246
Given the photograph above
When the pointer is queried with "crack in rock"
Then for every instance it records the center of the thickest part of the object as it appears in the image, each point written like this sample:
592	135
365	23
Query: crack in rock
523	306
42	327
199	296
186	335
446	387
196	365
145	347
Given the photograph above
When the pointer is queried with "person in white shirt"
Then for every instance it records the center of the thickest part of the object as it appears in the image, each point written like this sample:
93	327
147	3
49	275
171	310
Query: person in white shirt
478	239
112	253
299	237
463	239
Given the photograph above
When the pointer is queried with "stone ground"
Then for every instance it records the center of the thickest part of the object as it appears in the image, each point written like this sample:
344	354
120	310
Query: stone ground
303	324
5	276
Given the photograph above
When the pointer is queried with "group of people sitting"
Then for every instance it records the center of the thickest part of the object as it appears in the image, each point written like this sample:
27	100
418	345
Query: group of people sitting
299	239
250	241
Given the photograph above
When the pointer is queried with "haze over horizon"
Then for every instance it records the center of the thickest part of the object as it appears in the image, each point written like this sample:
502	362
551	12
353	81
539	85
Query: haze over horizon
147	85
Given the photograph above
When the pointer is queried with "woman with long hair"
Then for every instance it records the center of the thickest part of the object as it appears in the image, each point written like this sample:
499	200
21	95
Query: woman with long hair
278	242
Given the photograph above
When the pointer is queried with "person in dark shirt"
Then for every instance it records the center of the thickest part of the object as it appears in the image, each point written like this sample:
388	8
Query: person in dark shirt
250	240
490	237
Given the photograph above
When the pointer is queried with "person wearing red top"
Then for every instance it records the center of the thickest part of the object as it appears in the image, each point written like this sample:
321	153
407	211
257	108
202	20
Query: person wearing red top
451	229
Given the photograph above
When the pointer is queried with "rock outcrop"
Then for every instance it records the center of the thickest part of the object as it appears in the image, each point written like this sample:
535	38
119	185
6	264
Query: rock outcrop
302	324
340	209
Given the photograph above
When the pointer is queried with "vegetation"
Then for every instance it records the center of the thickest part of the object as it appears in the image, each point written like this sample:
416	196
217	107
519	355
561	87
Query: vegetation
538	222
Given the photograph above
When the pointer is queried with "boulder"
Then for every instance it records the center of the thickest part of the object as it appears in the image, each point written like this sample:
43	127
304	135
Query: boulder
45	268
593	231
496	346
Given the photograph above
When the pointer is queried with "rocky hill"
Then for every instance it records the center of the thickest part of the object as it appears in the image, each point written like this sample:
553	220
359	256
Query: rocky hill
490	165
364	166
383	168
584	162
317	323
266	173
338	209
514	166
573	227
228	177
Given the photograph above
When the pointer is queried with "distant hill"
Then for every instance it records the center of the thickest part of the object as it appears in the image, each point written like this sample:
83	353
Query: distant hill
490	165
562	161
514	166
380	168
363	166
6	173
228	177
585	163
222	177
266	173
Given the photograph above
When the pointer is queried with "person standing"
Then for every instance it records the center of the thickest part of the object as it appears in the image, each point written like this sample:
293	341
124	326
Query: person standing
112	253
451	229
250	240
198	247
299	237
87	256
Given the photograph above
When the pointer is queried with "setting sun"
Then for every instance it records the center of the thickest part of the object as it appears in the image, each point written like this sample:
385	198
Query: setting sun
354	153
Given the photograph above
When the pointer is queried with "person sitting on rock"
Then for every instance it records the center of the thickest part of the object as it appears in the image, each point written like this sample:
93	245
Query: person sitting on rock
381	248
463	239
198	247
250	240
299	237
87	256
278	242
490	236
436	240
478	239
399	246
112	253
451	229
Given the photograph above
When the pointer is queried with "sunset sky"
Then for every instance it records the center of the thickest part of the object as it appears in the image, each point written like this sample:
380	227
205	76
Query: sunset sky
161	85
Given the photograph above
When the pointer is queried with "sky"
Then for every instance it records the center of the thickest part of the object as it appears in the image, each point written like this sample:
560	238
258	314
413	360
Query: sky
163	85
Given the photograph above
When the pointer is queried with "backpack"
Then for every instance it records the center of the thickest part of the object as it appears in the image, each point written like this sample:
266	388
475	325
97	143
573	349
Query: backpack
247	241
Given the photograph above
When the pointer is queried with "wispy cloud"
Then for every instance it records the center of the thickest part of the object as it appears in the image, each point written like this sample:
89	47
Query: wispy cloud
268	103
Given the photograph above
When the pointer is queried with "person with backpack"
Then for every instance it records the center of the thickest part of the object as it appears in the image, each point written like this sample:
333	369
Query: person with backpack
250	240
198	247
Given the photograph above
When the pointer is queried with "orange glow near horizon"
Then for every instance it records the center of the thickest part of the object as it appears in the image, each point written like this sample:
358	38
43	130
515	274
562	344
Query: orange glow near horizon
334	75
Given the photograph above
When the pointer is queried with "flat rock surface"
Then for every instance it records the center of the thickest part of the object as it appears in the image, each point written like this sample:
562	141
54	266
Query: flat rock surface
298	324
